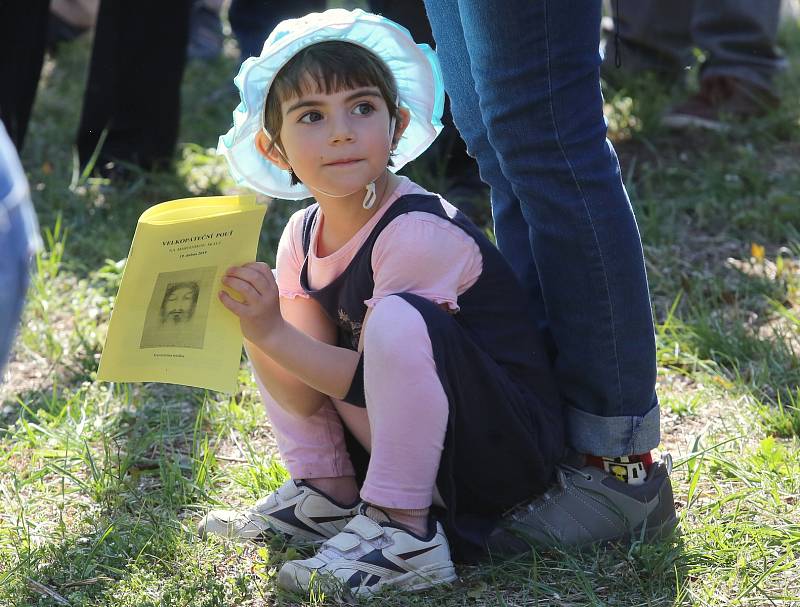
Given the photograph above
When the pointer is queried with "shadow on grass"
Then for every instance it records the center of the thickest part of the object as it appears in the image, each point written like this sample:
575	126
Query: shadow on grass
129	479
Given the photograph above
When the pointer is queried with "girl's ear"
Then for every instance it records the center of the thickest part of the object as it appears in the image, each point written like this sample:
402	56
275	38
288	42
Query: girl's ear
271	153
403	118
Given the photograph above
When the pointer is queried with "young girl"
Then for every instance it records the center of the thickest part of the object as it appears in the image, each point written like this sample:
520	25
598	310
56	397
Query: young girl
407	387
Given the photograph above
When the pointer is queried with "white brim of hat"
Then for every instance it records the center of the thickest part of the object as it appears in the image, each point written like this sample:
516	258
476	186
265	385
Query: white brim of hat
415	67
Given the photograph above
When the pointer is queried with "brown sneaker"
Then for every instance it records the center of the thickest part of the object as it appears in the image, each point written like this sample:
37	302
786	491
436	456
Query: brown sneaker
720	97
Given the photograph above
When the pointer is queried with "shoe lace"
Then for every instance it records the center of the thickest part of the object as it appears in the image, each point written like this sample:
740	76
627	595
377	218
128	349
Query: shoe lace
563	474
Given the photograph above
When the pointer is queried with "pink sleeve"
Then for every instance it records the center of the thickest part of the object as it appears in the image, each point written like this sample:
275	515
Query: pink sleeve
423	254
289	258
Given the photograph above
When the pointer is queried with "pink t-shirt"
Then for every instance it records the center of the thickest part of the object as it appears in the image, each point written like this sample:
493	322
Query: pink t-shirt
416	253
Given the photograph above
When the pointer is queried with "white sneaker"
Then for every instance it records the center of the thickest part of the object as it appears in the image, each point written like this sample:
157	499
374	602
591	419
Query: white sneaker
295	510
368	556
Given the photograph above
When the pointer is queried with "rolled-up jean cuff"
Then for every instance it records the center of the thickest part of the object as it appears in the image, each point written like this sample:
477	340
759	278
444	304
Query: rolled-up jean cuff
613	436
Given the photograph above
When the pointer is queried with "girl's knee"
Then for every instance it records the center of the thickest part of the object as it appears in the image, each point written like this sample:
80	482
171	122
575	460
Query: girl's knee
393	322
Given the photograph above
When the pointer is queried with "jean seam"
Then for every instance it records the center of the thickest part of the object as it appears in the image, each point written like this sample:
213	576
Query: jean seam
582	195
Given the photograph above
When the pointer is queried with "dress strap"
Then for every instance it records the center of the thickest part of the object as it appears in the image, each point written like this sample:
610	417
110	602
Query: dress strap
309	217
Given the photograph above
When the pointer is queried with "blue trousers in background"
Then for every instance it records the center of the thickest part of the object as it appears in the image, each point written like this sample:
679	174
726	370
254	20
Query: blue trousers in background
19	239
523	80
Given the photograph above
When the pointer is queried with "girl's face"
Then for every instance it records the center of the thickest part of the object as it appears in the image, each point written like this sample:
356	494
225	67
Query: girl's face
337	143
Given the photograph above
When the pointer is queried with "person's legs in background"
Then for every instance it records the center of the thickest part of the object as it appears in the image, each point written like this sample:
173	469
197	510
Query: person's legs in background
742	59
648	36
205	30
524	85
253	20
19	240
737	37
133	90
68	20
23	34
740	39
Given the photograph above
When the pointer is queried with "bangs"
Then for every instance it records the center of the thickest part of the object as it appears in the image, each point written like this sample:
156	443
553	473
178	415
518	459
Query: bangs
331	67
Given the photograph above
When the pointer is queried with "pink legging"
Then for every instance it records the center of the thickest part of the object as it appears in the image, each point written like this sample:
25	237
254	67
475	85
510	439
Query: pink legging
403	426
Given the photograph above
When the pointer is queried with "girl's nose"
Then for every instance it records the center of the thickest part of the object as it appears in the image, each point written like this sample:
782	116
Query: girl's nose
341	132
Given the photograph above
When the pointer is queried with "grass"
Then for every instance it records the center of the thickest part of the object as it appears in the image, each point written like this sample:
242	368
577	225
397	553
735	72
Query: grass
101	485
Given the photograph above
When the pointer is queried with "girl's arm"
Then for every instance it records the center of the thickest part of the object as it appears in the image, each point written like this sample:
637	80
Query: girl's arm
286	388
279	345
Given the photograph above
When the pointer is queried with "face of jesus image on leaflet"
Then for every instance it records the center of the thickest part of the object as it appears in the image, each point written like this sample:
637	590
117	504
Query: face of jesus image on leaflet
178	309
179	303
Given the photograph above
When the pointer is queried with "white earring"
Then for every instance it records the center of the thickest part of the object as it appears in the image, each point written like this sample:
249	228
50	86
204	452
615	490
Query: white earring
369	198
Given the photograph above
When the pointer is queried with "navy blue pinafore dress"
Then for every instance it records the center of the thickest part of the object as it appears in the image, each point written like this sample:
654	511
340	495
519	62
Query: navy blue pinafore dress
505	428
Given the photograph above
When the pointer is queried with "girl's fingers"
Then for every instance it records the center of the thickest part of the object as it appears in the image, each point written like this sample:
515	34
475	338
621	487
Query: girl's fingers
246	289
258	267
264	272
261	268
234	306
241	276
258	275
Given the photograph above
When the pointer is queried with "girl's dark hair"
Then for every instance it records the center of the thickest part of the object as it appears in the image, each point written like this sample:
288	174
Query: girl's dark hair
334	66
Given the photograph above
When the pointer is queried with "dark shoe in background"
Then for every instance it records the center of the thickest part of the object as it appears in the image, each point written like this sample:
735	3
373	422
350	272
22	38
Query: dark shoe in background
720	97
587	507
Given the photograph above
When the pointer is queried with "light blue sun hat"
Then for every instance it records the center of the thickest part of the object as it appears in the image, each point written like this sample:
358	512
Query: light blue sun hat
415	67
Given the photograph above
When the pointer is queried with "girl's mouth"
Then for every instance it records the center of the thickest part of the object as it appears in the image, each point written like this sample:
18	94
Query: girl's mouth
343	162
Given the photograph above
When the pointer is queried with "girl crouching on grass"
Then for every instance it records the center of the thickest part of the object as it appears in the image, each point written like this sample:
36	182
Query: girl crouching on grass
408	389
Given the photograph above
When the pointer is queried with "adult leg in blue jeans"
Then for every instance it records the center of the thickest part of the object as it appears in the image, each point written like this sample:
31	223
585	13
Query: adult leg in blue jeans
523	79
19	239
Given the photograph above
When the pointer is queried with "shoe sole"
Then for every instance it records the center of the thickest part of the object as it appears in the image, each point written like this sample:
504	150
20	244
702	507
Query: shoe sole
427	577
413	581
513	545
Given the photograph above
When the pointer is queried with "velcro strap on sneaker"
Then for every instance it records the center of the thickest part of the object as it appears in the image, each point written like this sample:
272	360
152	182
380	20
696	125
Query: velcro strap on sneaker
288	490
344	542
364	527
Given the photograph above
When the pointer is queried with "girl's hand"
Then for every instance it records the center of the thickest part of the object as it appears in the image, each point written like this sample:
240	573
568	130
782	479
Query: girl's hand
259	311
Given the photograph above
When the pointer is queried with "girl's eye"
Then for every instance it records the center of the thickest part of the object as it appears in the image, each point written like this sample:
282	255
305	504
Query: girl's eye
310	117
364	108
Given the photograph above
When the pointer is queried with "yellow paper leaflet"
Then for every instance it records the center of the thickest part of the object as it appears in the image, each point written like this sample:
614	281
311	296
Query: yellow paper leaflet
168	324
